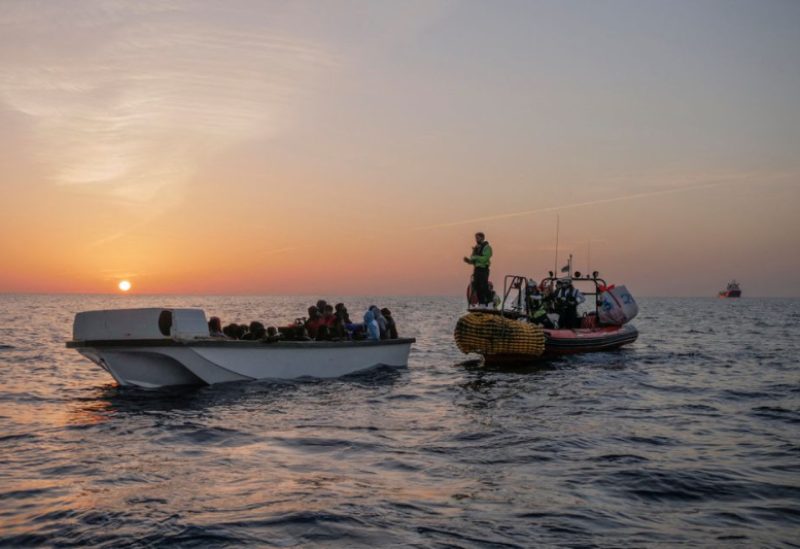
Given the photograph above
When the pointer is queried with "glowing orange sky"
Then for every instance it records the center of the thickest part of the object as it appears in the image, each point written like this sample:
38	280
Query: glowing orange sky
354	149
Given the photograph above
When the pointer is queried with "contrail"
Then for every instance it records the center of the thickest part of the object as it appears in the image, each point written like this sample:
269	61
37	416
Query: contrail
283	250
577	205
707	185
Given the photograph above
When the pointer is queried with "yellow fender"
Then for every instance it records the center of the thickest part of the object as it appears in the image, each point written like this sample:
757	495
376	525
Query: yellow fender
491	334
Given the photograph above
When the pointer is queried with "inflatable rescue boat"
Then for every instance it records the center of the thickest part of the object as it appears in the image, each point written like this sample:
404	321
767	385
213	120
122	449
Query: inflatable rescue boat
519	331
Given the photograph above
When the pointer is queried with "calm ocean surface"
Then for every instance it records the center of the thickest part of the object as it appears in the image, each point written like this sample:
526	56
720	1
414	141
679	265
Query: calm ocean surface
691	436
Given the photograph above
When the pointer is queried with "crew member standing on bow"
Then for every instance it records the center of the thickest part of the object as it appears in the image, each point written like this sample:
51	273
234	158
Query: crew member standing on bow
480	260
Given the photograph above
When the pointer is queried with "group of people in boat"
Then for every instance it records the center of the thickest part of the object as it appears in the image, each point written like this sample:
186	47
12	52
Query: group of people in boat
255	331
325	322
552	307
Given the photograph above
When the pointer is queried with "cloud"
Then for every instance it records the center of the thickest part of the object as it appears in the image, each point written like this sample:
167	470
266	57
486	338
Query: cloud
126	100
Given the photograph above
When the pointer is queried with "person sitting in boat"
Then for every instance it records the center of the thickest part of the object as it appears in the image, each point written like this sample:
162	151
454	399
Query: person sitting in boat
255	331
380	320
328	316
342	326
326	324
536	306
337	328
371	325
273	334
215	327
313	322
229	330
235	331
391	327
568	297
550	305
538	312
341	312
532	291
323	327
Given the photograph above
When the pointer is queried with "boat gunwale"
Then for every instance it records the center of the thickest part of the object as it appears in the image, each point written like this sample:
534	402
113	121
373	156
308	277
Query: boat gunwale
235	343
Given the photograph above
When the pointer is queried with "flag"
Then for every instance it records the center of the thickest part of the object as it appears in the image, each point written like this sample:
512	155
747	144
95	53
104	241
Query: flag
565	268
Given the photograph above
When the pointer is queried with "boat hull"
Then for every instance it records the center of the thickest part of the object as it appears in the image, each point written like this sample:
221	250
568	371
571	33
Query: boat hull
569	342
160	363
731	293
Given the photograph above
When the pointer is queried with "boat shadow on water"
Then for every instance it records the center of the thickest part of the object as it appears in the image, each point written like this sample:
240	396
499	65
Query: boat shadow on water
617	359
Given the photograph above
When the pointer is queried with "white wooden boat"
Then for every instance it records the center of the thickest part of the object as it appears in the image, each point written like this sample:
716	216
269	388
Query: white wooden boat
160	347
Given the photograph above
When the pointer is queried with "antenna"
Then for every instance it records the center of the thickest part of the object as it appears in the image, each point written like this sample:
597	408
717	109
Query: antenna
555	265
589	257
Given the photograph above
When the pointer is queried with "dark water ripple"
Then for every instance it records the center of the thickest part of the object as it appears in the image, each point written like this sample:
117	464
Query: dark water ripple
688	437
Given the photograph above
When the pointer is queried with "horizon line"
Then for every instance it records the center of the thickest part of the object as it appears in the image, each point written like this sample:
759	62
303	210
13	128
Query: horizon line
165	294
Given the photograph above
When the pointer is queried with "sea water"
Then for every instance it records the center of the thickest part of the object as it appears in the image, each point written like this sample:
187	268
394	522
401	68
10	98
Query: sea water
689	436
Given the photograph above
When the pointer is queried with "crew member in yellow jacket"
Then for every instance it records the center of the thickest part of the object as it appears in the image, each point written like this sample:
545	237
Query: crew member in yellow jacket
481	259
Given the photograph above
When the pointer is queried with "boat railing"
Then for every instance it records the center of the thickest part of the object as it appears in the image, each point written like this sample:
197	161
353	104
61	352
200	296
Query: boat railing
520	284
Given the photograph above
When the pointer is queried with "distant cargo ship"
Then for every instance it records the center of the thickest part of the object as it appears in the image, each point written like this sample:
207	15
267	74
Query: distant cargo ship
733	290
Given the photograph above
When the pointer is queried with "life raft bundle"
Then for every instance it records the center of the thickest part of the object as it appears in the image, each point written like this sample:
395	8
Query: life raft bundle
492	334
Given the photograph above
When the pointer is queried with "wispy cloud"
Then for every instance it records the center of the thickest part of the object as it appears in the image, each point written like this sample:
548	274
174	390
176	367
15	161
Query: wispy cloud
126	100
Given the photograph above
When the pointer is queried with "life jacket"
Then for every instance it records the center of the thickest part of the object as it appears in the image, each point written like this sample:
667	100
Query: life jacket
566	293
482	259
539	312
478	248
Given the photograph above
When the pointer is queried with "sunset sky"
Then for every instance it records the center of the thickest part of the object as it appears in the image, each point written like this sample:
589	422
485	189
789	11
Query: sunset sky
340	147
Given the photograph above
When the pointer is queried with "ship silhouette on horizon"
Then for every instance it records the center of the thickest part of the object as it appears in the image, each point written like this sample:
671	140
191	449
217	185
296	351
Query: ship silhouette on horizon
732	290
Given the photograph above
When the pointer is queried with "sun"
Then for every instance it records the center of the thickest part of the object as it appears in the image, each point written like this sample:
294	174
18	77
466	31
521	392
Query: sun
124	285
